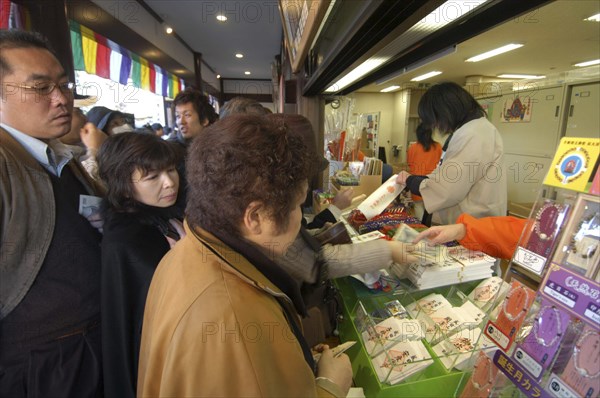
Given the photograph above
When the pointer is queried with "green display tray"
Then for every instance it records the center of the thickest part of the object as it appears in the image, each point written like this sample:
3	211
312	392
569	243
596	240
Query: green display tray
434	381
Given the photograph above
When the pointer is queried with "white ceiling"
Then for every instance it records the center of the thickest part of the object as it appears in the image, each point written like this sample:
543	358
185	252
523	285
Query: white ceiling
253	28
554	37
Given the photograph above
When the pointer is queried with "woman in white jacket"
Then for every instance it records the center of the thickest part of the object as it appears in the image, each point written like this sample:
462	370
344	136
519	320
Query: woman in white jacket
470	177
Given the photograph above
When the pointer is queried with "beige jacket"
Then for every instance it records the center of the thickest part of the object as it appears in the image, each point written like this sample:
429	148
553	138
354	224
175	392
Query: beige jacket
472	177
212	327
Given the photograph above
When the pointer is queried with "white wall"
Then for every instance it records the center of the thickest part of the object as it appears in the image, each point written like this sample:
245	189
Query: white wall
528	146
400	125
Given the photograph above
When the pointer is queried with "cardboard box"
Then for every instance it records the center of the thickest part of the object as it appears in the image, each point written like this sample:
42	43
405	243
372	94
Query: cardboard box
367	185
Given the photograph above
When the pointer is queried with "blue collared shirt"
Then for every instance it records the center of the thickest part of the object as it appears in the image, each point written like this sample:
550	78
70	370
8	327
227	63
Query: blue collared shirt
52	156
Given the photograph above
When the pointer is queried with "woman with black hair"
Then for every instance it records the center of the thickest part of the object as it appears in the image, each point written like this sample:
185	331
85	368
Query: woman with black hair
141	224
470	178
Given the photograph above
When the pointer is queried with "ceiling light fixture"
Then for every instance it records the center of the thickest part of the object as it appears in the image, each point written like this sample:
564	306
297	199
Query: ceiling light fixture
434	57
247	72
525	86
493	53
390	88
426	76
218	76
593	18
221	18
588	63
518	76
168	29
448	12
356	74
239	55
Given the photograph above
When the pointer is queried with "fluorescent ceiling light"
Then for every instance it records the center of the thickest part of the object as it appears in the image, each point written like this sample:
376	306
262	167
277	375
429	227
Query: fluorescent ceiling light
426	76
588	63
448	12
221	18
356	74
418	64
390	88
593	18
239	55
525	86
493	53
517	76
247	72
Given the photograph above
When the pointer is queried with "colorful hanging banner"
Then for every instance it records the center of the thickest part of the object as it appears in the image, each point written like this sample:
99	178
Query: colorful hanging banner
144	74
90	47
100	56
136	71
14	16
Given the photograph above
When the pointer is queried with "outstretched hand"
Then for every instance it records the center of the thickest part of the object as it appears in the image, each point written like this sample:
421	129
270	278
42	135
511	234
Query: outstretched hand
442	234
401	252
343	198
402	177
92	137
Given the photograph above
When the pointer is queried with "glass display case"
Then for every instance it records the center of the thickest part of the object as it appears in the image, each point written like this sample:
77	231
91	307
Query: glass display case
415	343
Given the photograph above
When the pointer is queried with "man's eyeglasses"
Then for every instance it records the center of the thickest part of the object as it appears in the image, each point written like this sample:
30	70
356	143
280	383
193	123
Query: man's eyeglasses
46	88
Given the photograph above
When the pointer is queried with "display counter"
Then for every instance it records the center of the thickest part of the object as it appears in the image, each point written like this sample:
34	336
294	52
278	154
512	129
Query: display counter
358	300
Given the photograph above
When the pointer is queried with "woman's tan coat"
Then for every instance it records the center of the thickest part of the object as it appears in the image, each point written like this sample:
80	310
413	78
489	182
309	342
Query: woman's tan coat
213	327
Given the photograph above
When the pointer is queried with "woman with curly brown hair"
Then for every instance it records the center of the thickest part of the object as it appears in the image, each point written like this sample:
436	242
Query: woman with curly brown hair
222	318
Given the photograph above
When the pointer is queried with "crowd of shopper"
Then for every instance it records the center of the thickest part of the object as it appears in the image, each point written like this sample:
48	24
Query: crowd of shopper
133	264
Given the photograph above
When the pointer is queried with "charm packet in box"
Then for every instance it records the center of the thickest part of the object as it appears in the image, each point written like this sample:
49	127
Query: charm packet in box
389	332
457	350
485	293
428	305
441	323
401	361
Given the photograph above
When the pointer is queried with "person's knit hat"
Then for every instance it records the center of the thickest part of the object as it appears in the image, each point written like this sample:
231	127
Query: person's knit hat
100	116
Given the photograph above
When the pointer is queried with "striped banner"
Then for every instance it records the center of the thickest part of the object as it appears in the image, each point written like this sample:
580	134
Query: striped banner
90	49
100	56
14	16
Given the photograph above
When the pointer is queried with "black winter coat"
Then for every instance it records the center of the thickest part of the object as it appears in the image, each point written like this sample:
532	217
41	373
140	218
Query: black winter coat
132	247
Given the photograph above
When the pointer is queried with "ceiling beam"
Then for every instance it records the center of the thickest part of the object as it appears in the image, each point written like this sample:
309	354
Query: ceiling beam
479	21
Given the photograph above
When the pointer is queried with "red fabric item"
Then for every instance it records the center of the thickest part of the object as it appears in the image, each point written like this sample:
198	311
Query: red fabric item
496	236
421	162
152	77
4	13
102	57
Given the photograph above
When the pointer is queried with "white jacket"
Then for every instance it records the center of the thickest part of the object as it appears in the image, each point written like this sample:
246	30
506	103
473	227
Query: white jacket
472	177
